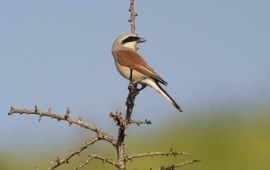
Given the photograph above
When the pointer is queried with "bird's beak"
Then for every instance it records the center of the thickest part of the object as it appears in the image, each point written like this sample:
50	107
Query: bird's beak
141	40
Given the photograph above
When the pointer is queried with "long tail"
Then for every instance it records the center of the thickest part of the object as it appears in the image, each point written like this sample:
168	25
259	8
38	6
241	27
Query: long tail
159	89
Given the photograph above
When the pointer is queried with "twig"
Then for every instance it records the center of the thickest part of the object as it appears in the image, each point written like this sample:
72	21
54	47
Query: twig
86	162
66	159
133	14
140	122
117	117
153	154
173	167
98	157
80	122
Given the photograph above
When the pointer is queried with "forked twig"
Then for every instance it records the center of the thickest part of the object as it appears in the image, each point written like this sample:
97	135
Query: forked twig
98	157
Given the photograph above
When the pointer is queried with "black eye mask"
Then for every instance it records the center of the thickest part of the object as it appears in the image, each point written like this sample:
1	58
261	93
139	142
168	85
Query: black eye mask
130	39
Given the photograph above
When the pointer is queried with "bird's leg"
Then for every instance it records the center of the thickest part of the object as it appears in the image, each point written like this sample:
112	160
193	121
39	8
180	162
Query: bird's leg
131	85
130	76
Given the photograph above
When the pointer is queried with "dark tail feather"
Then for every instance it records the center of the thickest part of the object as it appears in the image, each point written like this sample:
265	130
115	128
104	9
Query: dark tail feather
172	100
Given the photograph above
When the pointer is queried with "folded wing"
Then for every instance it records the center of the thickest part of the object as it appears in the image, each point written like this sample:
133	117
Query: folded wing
135	61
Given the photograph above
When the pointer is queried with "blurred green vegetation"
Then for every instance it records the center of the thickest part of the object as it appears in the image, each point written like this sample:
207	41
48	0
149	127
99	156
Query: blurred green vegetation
223	140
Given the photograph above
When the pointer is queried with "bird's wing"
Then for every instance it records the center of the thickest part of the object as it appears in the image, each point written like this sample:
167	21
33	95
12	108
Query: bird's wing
134	61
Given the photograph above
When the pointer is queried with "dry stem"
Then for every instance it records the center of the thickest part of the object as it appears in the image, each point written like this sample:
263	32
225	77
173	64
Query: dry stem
173	167
133	14
153	154
80	122
98	157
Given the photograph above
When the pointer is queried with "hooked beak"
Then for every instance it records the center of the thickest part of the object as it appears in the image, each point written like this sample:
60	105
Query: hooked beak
141	40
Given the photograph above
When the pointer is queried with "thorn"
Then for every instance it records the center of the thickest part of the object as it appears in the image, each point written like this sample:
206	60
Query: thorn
36	109
67	113
148	122
39	118
11	111
57	160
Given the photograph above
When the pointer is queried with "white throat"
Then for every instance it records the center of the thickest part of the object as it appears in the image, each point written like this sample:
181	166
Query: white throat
131	45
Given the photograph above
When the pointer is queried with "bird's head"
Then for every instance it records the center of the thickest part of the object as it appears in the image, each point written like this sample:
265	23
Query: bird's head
127	40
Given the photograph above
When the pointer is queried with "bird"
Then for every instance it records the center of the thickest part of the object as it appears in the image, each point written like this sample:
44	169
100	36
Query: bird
131	65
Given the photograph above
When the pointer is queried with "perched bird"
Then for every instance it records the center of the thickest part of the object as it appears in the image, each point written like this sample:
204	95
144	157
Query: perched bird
131	65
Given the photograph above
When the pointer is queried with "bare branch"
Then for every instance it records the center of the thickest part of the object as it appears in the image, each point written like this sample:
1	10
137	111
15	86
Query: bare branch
80	122
117	117
86	162
66	159
173	167
139	122
153	154
98	157
133	92
133	14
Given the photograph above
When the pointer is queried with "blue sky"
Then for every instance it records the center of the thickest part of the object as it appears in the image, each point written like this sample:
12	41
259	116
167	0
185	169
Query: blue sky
58	54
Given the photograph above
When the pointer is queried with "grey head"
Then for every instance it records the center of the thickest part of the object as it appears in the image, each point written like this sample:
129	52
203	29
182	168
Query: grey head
127	40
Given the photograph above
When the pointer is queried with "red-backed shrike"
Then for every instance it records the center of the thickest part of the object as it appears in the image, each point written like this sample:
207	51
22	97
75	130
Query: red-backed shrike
130	64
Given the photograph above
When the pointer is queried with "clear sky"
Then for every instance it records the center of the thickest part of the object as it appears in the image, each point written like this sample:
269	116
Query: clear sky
57	53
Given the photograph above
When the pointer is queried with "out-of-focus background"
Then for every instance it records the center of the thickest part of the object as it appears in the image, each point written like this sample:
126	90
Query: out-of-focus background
214	55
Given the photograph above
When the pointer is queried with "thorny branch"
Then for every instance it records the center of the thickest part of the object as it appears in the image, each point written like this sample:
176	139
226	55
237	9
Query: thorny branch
153	154
133	92
122	122
80	122
133	14
117	117
98	157
173	167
